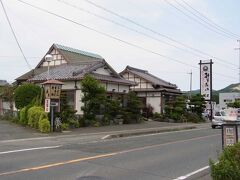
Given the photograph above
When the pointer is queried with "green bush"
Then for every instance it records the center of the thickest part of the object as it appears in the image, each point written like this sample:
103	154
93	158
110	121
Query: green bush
132	112
160	117
228	167
192	117
34	114
24	94
64	126
23	117
44	125
73	123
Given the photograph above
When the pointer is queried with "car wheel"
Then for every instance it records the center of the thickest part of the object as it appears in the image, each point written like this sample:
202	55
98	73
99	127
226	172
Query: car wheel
213	126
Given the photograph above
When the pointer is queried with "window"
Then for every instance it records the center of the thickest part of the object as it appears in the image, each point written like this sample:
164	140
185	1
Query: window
68	98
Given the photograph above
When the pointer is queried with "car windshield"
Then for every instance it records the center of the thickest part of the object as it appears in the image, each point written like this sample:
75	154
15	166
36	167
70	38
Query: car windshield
223	113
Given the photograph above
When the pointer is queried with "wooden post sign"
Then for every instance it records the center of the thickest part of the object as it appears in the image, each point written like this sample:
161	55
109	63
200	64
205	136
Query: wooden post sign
229	134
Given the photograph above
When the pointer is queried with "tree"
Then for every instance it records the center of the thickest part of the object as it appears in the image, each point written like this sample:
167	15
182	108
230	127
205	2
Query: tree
133	108
94	98
25	94
235	104
197	104
176	109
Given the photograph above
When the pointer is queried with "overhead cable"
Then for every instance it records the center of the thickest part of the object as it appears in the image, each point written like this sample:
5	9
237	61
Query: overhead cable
109	36
139	32
157	33
14	34
209	20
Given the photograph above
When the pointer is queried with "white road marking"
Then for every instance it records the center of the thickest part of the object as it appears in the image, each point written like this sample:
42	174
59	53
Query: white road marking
192	173
29	149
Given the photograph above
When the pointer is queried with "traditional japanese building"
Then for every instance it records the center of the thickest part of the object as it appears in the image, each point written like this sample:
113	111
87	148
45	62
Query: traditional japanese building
152	90
70	65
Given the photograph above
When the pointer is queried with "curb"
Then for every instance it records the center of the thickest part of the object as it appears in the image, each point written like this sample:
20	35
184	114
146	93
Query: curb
142	132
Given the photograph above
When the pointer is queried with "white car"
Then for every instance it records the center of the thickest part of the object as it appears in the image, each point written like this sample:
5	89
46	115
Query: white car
218	119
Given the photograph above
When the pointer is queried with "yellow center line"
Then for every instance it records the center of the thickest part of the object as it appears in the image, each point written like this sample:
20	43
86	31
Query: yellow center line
100	156
57	164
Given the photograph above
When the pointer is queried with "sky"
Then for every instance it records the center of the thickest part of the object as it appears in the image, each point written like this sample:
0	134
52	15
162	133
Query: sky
195	30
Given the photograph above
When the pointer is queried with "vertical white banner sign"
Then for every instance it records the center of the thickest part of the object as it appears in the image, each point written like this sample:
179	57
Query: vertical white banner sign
205	81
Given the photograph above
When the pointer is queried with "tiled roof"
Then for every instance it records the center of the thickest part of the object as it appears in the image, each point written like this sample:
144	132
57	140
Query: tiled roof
62	72
157	90
112	79
67	72
149	77
78	64
77	51
31	74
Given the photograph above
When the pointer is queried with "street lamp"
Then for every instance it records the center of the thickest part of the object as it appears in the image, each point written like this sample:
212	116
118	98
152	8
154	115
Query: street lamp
48	59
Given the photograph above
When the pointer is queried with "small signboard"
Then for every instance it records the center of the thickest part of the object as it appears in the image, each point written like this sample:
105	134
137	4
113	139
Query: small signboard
47	105
229	134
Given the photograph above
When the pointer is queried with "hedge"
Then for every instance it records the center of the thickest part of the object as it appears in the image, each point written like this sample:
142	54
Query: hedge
228	167
44	125
35	114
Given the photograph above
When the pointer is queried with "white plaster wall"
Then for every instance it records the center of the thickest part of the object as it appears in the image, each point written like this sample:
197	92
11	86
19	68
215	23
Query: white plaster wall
141	94
110	87
68	85
155	102
123	87
102	71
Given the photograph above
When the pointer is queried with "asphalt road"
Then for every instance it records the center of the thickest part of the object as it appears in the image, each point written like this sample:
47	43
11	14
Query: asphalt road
148	157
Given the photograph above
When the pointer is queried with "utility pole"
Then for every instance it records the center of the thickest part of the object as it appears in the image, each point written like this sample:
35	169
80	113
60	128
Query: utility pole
239	58
190	92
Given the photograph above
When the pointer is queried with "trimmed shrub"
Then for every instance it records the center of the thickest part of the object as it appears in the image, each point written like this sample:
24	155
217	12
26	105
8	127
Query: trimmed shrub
44	125
23	115
192	117
228	166
64	126
34	114
24	94
73	123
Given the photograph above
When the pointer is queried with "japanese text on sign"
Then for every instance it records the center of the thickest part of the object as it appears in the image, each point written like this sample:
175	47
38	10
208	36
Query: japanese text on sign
205	81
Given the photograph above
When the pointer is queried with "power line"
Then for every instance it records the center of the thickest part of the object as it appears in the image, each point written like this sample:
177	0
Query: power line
124	26
15	37
205	21
196	20
211	21
107	35
134	30
157	33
